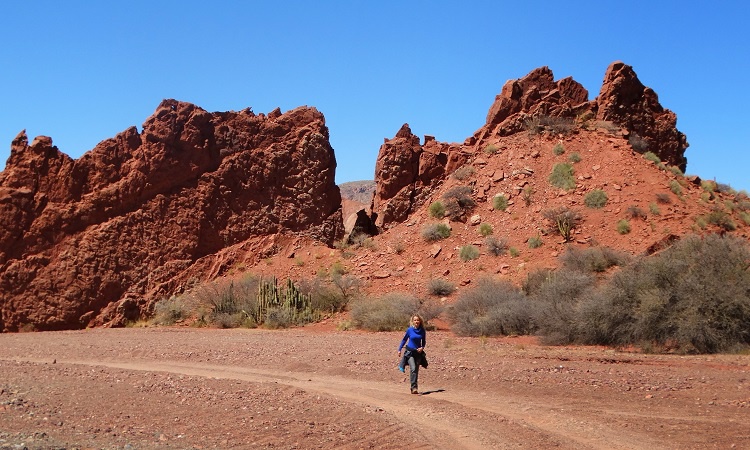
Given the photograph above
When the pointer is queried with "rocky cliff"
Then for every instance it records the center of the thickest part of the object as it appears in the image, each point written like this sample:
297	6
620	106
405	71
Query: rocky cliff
95	241
407	170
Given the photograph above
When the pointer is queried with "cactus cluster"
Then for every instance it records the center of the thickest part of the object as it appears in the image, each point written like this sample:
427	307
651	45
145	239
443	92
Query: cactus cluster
287	298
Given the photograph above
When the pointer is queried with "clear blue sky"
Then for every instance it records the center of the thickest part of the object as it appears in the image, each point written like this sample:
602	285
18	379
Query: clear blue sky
82	71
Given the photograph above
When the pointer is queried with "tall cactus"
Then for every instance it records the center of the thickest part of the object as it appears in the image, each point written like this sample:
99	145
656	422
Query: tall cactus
289	298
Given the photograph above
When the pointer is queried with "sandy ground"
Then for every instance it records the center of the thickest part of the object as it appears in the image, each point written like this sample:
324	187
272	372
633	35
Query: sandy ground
183	388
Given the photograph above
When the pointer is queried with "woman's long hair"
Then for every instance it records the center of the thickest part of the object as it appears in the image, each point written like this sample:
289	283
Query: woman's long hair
421	321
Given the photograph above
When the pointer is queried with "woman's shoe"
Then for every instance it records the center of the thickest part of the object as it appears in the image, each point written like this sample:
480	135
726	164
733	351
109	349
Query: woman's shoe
414	391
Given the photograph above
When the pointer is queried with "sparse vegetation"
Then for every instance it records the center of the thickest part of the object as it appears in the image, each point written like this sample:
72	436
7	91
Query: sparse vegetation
663	198
485	229
721	219
513	252
623	226
435	232
468	253
491	308
436	210
391	312
535	241
491	149
596	199
592	259
654	208
458	202
440	287
496	246
651	156
675	187
463	173
555	125
562	176
527	194
638	143
563	220
500	202
635	212
558	149
575	157
676	171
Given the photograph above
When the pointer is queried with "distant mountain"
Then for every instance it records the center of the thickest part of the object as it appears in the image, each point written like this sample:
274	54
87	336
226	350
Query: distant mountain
358	191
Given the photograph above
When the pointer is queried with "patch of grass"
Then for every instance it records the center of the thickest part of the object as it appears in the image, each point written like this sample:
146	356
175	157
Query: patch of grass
623	226
513	252
663	198
485	229
500	202
575	157
535	241
654	208
491	149
436	210
562	176
527	194
596	199
436	232
651	156
675	187
676	171
468	253
558	149
635	212
721	219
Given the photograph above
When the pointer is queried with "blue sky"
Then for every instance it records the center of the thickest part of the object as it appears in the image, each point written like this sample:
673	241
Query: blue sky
82	71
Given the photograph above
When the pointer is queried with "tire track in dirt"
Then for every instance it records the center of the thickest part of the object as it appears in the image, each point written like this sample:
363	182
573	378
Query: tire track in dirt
447	418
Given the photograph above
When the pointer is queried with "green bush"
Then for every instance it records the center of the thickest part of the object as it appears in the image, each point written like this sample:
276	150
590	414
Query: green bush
596	199
623	226
500	202
489	309
558	149
491	149
721	219
692	297
435	232
485	229
468	253
513	252
574	157
651	156
535	241
496	246
654	208
436	210
440	287
562	176
675	187
563	220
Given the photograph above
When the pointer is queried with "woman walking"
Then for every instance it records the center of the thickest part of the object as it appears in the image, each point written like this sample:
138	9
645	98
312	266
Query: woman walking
414	340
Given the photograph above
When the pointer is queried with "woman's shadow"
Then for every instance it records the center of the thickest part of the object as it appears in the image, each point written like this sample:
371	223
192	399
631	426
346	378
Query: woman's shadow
431	392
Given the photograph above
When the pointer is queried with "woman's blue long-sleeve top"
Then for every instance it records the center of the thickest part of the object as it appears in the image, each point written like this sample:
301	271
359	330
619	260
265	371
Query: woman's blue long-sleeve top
417	337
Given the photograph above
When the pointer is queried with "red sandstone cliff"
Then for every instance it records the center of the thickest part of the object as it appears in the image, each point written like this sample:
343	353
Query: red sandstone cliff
96	240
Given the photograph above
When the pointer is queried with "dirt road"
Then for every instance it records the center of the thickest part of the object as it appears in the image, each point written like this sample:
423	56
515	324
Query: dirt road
178	388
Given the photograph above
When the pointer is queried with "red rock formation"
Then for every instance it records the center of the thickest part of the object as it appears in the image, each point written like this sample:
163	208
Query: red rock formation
98	239
625	101
406	172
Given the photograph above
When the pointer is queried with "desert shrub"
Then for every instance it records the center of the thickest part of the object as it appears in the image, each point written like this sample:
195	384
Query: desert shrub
745	216
623	226
489	309
721	219
535	241
651	156
675	187
592	259
635	212
513	252
392	311
558	149
491	149
556	304
277	318
440	287
725	188
535	279
468	253
329	296
463	172
638	143
527	194
500	202
595	199
485	229
458	202
555	125
435	232
663	198
654	208
575	157
171	311
676	171
436	210
692	297
562	176
563	220
496	246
